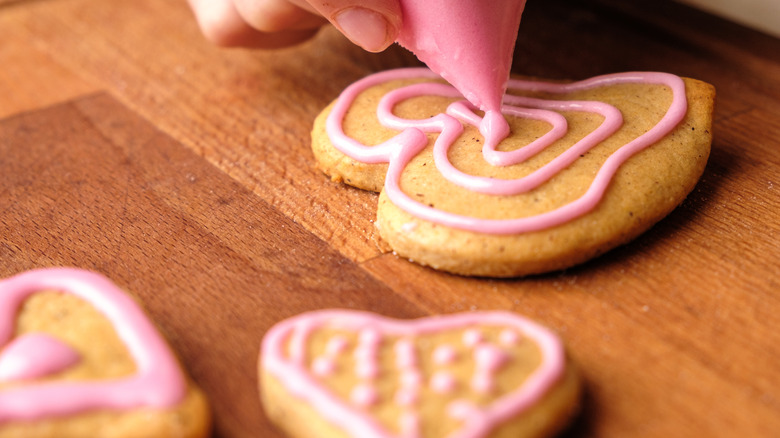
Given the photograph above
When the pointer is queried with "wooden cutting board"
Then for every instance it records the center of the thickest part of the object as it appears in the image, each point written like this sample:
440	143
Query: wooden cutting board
130	146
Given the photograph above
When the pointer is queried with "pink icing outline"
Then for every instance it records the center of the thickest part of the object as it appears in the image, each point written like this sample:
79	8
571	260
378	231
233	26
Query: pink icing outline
157	384
292	373
399	150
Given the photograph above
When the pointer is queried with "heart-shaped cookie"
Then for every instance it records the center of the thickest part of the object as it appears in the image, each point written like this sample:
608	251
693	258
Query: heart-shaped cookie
33	397
586	165
345	373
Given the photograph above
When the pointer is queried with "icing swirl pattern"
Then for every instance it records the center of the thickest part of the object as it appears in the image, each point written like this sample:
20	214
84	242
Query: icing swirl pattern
412	139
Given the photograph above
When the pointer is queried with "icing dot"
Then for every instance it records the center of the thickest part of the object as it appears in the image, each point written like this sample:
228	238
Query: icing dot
509	337
366	354
472	337
366	370
411	378
410	424
323	366
364	395
363	354
336	345
443	382
370	337
461	409
366	361
406	396
489	357
482	383
467	412
411	381
405	356
444	355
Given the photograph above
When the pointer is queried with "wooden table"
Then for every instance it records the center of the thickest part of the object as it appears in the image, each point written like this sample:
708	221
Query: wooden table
130	146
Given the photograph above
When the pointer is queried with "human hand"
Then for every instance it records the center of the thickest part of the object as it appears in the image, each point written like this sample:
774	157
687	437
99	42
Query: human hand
268	24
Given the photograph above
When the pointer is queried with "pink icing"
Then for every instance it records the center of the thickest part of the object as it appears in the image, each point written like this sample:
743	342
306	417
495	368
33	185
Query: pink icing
367	369
364	395
35	355
410	425
366	354
443	382
483	383
158	382
336	345
462	409
488	359
472	337
469	45
467	411
411	378
399	150
444	355
407	396
508	337
323	366
370	338
404	354
288	366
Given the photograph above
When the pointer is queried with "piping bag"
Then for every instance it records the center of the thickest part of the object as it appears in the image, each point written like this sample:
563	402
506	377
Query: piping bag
470	44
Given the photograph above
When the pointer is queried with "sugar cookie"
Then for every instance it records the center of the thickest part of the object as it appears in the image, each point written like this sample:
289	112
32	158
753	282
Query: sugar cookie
79	358
586	166
339	373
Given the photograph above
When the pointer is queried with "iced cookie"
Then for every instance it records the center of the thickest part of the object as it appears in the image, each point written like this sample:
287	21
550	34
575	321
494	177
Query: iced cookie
586	166
339	373
79	358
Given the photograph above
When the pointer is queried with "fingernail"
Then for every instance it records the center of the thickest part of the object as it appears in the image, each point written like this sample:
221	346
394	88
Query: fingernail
364	27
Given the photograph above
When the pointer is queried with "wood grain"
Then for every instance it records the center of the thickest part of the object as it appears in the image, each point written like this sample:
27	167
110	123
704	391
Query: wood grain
89	184
182	171
29	78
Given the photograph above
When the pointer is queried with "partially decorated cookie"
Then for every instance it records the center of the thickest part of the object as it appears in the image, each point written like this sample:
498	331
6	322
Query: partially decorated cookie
339	373
79	358
586	166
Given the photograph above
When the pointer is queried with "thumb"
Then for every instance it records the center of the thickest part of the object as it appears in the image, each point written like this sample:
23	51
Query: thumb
371	24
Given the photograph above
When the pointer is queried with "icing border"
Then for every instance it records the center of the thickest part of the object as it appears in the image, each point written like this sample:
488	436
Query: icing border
292	373
158	382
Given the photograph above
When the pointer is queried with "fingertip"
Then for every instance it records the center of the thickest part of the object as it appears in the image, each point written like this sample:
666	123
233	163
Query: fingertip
222	25
372	24
273	16
367	28
219	23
